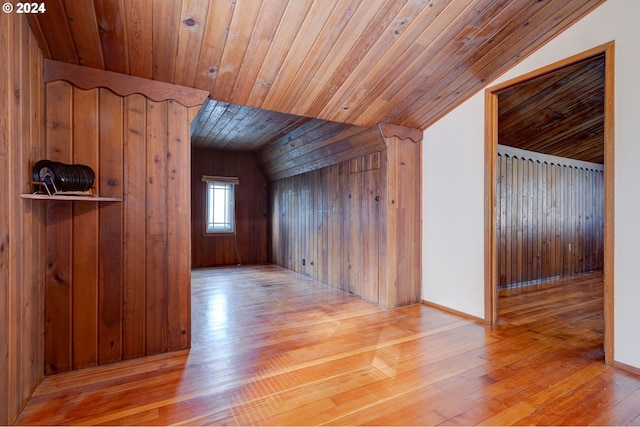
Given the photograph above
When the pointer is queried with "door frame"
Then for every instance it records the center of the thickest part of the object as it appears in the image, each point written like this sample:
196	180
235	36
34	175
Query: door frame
491	153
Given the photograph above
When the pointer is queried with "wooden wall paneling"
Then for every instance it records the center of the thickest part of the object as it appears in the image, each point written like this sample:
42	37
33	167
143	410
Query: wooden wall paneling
318	227
101	306
22	244
386	256
111	179
371	244
58	279
355	238
156	261
178	259
134	230
334	261
546	230
404	215
344	229
6	388
32	330
6	160
368	250
85	234
251	210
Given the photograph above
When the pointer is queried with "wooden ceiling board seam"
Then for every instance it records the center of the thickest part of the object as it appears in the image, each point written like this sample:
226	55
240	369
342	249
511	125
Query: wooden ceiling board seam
83	26
558	136
244	18
536	129
540	109
214	39
203	116
292	20
407	62
312	143
513	101
276	147
280	124
165	39
262	37
329	64
402	31
230	111
209	129
113	35
339	68
322	29
190	39
234	131
334	158
36	29
379	25
485	66
320	154
510	96
447	100
332	34
544	91
140	37
56	33
442	57
297	140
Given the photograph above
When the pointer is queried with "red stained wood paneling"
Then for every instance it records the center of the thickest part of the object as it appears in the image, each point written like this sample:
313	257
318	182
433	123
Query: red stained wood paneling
251	210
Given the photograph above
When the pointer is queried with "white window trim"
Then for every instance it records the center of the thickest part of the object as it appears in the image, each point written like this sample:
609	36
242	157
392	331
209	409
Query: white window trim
228	225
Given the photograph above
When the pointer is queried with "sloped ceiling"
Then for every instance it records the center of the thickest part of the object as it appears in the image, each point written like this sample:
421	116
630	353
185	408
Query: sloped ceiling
360	62
559	113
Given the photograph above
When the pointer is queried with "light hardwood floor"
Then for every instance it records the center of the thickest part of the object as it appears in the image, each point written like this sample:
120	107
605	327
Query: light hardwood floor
273	348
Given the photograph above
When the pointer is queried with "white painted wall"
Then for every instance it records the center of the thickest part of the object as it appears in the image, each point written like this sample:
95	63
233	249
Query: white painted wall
453	198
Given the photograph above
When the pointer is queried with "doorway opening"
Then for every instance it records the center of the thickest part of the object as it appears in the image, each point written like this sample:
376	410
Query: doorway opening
548	131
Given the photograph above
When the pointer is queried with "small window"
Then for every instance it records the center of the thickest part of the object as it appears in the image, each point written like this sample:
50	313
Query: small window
220	207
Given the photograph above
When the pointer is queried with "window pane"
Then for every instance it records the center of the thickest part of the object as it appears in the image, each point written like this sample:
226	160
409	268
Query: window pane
220	210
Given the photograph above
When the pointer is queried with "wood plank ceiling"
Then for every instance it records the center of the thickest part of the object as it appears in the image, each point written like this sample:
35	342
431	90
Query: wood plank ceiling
560	113
359	62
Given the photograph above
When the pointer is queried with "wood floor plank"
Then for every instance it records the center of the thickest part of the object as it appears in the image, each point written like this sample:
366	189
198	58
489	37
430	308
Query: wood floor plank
270	347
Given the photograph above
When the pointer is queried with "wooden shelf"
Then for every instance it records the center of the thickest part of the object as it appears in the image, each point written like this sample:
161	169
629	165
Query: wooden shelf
36	196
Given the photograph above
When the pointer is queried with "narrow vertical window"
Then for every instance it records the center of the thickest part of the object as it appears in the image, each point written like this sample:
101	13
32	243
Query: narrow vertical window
220	215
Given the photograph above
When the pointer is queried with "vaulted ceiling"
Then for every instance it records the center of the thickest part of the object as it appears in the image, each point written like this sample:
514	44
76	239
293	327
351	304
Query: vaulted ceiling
271	65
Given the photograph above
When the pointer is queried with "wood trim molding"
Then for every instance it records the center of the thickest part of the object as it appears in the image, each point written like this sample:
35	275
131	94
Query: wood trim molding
505	150
491	143
389	131
122	84
452	311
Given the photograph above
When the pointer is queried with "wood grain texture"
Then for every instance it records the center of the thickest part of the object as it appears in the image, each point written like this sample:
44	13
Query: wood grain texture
354	225
382	61
550	218
22	235
209	250
118	272
564	105
313	355
123	85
